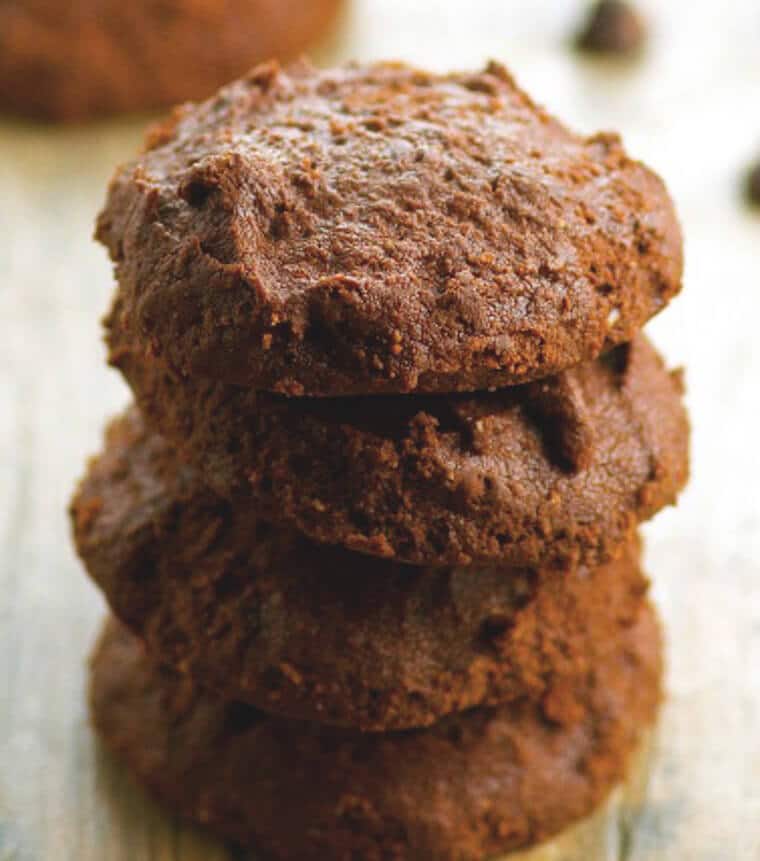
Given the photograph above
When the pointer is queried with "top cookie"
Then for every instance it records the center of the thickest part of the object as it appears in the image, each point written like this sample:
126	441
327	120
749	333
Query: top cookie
381	229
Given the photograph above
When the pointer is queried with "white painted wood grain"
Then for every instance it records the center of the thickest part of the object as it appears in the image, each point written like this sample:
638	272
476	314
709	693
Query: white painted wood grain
691	109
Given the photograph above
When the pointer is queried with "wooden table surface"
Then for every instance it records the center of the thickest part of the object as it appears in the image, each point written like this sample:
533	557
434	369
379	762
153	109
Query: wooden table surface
690	108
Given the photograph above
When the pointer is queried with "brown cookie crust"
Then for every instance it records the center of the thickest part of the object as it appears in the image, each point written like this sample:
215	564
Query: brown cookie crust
559	470
474	785
73	60
263	615
379	229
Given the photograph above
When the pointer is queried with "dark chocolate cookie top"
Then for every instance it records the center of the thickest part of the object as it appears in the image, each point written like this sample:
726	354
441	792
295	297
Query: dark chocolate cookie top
382	229
261	614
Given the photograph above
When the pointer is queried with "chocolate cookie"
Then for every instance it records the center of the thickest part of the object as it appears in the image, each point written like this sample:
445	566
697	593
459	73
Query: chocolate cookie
73	60
480	783
263	615
562	469
379	229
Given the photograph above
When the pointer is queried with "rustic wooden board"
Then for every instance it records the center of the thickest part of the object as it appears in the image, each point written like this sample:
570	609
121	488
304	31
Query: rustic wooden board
691	109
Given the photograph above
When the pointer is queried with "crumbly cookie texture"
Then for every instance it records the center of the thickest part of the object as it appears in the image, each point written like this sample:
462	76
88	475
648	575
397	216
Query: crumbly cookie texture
69	61
559	470
261	614
380	229
476	784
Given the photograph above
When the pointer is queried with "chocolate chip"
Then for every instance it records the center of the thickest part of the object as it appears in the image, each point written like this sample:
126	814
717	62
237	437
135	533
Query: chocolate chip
613	27
752	186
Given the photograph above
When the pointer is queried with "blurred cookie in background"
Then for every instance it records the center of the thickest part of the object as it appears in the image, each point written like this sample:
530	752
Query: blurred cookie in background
68	62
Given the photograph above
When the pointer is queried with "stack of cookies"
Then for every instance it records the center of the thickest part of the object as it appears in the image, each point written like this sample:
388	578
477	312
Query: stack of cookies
370	531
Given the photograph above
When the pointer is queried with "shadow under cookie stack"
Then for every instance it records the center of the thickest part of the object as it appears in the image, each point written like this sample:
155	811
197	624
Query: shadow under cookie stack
370	531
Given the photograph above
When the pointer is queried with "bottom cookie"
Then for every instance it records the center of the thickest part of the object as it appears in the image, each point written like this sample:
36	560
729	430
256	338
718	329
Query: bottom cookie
474	786
605	834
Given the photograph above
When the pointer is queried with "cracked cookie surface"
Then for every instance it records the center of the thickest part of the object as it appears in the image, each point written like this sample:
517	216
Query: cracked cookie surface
380	229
